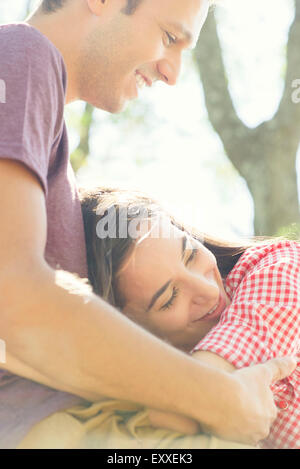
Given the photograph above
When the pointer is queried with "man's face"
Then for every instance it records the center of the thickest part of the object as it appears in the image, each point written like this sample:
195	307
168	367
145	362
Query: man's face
122	52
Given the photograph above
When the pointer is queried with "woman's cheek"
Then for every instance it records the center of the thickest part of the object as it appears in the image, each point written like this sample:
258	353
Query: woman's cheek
196	309
173	321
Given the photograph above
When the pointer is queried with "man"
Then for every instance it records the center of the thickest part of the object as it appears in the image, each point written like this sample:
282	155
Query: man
62	346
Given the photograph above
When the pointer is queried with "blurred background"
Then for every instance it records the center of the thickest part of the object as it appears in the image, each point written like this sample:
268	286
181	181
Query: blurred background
221	148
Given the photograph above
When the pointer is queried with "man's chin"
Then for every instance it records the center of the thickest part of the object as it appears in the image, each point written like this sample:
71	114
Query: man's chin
115	107
117	104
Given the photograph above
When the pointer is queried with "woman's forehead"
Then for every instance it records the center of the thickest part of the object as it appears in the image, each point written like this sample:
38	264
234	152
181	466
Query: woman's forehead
151	260
149	252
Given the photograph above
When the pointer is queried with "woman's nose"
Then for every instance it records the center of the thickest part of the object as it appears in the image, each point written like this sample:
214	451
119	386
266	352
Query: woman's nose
199	300
204	287
206	294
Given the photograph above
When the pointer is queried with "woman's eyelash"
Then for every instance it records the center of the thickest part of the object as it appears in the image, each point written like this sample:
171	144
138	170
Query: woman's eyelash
176	290
193	254
171	300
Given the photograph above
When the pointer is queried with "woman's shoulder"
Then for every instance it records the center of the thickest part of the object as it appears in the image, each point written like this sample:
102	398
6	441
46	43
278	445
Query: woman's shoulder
266	256
271	249
279	245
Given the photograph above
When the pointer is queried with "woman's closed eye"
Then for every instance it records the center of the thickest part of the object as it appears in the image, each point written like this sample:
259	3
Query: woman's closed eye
194	250
190	250
171	300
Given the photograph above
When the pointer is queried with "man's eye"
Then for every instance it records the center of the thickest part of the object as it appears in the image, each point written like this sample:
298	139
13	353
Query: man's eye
171	38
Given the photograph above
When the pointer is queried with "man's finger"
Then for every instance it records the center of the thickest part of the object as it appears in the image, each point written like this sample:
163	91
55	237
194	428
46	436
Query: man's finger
280	368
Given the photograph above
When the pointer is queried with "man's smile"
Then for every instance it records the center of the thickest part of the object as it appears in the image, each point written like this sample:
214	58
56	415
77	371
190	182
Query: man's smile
142	80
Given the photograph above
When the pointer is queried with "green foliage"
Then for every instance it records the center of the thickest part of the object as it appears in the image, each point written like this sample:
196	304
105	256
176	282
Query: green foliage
80	154
290	232
78	159
136	113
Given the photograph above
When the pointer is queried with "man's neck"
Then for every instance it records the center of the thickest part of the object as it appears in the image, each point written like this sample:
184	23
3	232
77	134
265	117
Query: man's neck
56	28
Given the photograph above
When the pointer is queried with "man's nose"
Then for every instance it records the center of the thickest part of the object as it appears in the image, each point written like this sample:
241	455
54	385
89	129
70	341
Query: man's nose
169	69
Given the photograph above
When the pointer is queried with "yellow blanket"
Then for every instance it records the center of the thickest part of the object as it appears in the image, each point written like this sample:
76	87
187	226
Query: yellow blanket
112	424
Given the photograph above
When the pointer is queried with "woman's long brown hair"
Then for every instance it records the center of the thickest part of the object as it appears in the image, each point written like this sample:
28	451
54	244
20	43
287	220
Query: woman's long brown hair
106	256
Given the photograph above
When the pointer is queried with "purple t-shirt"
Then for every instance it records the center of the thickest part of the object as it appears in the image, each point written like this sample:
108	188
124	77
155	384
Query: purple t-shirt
32	131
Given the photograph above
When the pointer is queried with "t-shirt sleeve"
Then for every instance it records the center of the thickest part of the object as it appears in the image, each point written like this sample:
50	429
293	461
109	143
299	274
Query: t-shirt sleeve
31	108
263	319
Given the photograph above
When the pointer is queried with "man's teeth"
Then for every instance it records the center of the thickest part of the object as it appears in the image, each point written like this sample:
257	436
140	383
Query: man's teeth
141	82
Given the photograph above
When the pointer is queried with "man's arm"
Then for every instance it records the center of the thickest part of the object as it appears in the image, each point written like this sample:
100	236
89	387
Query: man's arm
79	344
214	360
181	423
70	341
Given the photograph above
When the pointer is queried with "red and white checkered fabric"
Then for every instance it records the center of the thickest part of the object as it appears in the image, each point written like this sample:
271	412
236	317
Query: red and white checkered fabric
263	322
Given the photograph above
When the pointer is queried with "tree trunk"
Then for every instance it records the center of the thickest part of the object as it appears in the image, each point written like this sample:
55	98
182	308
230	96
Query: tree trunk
264	156
272	182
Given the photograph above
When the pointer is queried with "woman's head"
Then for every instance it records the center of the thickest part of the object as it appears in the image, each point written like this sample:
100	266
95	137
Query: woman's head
162	275
171	285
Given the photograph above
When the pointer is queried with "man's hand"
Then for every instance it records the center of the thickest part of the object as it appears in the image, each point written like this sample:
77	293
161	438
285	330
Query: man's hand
250	409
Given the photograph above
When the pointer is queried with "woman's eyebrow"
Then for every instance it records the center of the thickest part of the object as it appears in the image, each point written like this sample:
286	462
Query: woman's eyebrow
165	286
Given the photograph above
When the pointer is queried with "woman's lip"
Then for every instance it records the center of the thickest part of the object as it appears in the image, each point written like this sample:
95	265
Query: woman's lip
220	308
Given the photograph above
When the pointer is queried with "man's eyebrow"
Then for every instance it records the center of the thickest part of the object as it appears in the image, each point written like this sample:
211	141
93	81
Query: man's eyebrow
165	286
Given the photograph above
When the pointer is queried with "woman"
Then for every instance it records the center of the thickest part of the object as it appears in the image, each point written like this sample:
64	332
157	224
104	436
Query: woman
112	243
184	287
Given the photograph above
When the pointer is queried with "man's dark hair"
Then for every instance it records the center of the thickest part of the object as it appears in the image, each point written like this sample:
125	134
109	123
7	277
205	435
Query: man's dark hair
50	6
131	6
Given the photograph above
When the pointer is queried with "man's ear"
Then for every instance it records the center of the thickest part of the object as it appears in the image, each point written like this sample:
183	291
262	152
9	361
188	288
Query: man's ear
96	6
99	7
